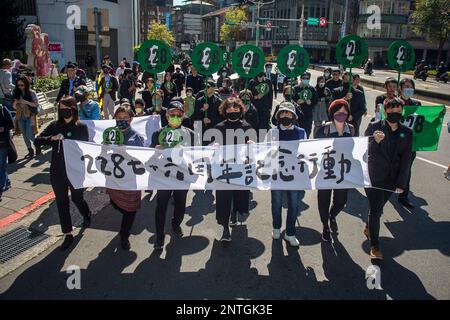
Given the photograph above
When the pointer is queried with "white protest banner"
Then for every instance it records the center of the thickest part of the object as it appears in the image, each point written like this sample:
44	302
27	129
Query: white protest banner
144	126
289	165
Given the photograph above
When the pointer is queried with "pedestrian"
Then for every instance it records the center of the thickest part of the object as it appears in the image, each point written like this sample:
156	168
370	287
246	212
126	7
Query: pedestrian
388	163
125	201
88	109
175	115
306	97
231	204
169	88
179	79
194	80
272	77
189	108
109	85
139	107
356	101
127	87
391	87
407	87
262	92
286	130
250	112
207	110
338	127
320	114
6	125
6	85
288	97
107	61
90	65
26	105
70	84
335	81
66	127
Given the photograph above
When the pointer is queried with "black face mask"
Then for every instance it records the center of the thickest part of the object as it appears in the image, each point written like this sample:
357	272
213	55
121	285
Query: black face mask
394	117
80	98
285	121
233	116
65	113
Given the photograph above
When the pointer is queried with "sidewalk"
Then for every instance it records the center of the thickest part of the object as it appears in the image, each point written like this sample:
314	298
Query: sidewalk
30	184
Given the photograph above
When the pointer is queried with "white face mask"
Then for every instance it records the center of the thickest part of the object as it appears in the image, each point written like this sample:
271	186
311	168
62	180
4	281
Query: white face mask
189	94
269	70
408	92
321	84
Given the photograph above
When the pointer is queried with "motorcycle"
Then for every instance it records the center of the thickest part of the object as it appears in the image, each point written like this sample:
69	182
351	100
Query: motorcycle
444	77
421	74
368	71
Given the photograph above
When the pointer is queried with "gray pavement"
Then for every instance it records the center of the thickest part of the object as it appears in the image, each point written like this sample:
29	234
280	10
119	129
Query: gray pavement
416	245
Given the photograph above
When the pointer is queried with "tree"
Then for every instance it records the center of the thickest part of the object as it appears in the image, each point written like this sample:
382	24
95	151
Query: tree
12	34
158	31
231	29
432	17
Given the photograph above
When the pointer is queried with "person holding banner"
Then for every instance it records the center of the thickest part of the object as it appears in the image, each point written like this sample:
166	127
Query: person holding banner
390	152
286	130
67	126
407	87
339	112
320	111
175	115
126	202
306	97
288	97
356	100
232	110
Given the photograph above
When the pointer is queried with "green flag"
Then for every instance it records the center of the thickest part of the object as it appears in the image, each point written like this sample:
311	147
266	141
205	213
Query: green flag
426	124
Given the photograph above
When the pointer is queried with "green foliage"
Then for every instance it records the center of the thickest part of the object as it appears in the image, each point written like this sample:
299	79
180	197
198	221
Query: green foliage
232	32
158	31
45	84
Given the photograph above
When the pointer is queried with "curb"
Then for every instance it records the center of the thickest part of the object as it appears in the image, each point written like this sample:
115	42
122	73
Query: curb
25	211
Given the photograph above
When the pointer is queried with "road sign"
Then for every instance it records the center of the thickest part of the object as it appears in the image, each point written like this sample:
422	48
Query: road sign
104	20
351	51
248	61
312	22
269	25
322	22
292	60
154	56
401	56
207	58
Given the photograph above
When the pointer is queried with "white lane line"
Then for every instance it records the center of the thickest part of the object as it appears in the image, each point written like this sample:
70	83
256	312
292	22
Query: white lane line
433	163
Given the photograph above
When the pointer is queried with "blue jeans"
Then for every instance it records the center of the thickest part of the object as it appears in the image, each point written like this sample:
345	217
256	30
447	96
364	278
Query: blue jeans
3	173
26	126
293	197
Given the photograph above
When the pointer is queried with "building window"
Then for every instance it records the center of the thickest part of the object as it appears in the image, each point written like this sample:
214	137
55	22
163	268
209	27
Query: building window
26	7
82	46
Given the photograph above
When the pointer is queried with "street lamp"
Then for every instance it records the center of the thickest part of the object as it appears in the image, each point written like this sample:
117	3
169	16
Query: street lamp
259	5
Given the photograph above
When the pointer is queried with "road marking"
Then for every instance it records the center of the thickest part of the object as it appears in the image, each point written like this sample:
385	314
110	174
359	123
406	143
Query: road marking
432	162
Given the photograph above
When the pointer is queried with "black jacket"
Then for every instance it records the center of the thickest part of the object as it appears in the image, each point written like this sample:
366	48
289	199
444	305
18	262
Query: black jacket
357	103
307	109
390	159
230	125
6	124
197	83
251	116
212	113
265	103
70	131
65	85
114	87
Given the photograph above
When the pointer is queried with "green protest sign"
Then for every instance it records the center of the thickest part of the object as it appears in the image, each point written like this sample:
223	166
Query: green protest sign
351	51
113	136
401	56
169	138
305	94
293	60
248	61
154	56
425	123
207	58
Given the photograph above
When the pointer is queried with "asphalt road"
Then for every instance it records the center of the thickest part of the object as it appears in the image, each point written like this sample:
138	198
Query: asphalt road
416	245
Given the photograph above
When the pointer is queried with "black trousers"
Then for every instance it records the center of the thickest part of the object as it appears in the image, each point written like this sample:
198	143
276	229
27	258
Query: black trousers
324	200
306	123
127	221
405	194
225	198
162	200
377	200
61	186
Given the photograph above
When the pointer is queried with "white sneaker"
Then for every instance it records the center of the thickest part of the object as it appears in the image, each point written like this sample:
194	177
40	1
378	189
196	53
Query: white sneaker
276	233
292	240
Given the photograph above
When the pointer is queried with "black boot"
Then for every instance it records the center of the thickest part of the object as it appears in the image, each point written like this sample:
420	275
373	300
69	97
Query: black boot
38	150
125	243
68	240
87	221
30	153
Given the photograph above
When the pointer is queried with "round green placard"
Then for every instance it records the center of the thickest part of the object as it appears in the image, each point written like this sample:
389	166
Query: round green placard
293	60
248	61
351	51
207	58
154	56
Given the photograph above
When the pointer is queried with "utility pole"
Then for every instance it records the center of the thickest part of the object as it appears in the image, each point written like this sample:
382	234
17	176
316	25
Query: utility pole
344	25
145	19
302	22
258	6
98	41
201	20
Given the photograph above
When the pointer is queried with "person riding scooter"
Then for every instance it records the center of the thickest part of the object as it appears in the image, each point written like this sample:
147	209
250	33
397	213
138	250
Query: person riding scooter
368	67
442	74
421	71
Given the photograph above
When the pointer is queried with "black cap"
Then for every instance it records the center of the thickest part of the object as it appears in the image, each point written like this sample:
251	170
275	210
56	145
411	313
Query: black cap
261	74
175	105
